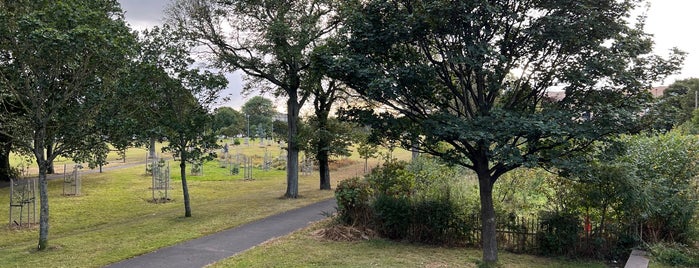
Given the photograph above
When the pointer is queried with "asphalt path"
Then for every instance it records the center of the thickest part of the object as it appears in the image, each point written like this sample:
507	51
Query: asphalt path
212	248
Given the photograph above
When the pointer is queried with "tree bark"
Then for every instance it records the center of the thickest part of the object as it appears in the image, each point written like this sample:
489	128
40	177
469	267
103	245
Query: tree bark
488	222
5	169
43	194
49	157
324	169
185	188
44	207
292	163
323	153
151	149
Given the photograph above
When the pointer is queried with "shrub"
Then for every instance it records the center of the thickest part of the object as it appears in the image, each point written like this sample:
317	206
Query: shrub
353	201
675	254
393	216
423	201
558	233
392	179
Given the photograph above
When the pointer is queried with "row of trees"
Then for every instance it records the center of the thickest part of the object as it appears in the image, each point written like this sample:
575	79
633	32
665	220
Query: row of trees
464	81
256	116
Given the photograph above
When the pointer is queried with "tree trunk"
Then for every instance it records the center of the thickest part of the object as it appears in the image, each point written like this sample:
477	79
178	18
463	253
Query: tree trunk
5	169
185	189
324	169
292	163
151	149
488	223
49	155
323	153
43	194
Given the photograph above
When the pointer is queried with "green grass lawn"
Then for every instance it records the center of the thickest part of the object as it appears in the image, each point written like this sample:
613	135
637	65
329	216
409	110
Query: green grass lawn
112	220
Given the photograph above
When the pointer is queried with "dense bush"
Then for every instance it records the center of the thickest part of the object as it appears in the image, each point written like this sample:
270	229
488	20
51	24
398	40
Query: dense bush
353	196
559	233
675	254
392	179
637	189
423	201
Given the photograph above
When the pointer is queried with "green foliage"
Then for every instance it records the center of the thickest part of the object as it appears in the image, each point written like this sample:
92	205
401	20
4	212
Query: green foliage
392	179
260	112
444	70
228	121
58	64
424	201
636	189
675	254
526	190
393	215
559	233
668	166
677	105
353	201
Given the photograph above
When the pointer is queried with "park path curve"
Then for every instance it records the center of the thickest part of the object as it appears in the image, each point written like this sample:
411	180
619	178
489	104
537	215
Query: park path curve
212	248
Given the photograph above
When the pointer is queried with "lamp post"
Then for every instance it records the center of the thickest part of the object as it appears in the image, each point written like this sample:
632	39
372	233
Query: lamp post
247	137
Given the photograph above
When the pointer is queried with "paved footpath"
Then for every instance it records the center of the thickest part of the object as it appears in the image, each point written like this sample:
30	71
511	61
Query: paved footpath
209	249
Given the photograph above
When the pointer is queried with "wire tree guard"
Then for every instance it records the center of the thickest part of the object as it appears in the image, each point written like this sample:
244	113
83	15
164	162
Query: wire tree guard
72	181
160	170
22	202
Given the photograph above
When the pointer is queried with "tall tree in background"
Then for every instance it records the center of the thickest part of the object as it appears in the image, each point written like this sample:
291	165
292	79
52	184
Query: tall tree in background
259	112
61	56
326	138
475	74
228	121
270	41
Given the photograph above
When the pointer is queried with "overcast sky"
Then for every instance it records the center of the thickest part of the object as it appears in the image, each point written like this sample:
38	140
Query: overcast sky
672	23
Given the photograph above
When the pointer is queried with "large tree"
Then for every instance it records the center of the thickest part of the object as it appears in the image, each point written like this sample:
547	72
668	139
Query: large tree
270	41
61	57
228	121
259	112
175	98
468	80
328	136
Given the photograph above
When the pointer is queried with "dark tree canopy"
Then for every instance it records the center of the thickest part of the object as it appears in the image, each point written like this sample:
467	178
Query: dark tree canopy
475	75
